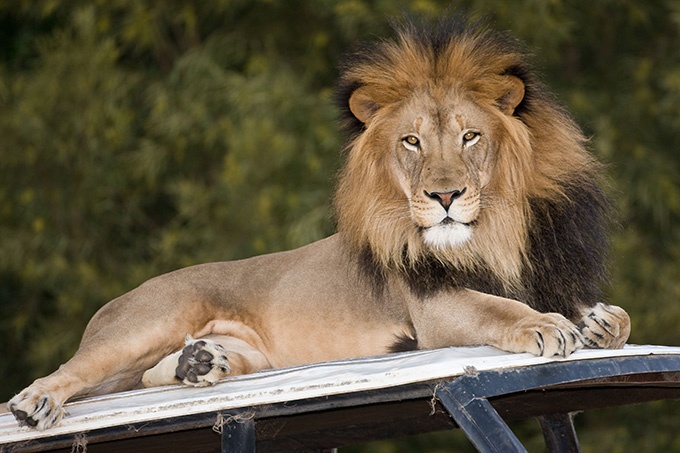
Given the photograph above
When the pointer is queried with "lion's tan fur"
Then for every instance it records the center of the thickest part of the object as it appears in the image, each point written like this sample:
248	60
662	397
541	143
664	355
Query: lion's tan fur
536	152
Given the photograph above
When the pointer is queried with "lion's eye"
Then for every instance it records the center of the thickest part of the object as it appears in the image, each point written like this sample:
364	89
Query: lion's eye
470	138
411	142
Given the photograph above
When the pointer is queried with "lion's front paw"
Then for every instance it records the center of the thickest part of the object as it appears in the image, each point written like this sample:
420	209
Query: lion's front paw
547	335
36	409
203	362
605	326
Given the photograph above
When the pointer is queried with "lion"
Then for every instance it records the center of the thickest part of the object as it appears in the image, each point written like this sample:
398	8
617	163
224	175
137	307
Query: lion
469	212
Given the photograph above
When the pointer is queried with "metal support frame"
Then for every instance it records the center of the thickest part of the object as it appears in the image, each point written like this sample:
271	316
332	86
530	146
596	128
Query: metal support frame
466	398
479	420
474	403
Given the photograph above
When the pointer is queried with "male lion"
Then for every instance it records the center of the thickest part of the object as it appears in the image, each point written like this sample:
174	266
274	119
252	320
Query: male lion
468	213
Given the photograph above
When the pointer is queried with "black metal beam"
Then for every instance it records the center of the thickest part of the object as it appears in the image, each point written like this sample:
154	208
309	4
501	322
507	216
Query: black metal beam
559	433
238	433
479	421
466	398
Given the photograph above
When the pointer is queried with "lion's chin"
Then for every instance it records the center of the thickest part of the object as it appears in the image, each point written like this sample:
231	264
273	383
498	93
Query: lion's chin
447	235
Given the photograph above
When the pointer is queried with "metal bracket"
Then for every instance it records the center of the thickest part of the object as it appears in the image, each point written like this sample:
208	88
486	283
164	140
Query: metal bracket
238	434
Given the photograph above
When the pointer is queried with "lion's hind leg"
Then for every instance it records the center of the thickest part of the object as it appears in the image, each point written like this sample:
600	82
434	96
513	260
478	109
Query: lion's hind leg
205	361
604	326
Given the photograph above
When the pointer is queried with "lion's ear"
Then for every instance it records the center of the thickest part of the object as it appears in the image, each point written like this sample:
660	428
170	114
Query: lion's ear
362	105
512	95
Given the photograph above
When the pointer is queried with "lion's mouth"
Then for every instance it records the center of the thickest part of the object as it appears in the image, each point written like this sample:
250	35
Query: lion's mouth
448	234
450	221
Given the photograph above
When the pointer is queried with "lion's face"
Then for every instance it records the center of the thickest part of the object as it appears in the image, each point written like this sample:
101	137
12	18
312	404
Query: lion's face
439	144
442	160
426	176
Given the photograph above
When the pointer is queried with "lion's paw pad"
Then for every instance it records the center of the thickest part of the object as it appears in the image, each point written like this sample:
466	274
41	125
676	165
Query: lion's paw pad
35	409
203	362
605	326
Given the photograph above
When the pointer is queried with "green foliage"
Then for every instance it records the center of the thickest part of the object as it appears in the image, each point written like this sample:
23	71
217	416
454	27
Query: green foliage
140	136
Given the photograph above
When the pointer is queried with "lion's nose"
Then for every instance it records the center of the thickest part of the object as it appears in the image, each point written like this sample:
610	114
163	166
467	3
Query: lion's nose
446	199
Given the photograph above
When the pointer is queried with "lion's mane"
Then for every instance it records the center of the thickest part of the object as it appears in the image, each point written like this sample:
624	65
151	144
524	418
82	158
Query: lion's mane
541	236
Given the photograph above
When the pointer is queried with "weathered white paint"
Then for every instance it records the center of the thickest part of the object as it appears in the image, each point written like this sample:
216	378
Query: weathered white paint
290	384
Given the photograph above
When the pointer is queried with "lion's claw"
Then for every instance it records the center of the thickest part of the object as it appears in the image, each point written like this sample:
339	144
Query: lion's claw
551	335
605	326
35	409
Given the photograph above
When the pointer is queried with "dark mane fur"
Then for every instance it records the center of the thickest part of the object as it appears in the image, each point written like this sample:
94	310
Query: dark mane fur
566	257
566	264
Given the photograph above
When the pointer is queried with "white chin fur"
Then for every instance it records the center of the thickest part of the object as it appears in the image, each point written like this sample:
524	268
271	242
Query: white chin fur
447	236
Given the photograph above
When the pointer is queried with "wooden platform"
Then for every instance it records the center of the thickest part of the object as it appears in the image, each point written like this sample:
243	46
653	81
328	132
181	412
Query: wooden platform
333	404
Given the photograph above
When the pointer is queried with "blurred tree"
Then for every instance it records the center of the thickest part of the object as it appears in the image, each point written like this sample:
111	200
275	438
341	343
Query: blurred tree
139	136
